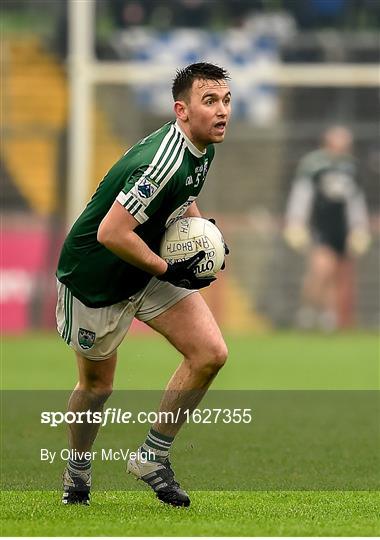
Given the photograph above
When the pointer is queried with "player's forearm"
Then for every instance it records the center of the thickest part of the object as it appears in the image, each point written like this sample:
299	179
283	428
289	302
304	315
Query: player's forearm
133	250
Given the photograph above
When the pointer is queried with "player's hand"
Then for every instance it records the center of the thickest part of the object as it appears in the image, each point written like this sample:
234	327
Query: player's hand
297	237
182	273
226	248
358	242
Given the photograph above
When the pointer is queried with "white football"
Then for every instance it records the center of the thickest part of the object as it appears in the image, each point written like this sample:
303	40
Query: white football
188	236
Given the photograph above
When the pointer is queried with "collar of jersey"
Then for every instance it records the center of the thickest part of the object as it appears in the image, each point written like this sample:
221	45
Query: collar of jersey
193	149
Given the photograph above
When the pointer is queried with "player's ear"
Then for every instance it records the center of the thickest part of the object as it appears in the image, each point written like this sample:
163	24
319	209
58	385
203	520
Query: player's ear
180	109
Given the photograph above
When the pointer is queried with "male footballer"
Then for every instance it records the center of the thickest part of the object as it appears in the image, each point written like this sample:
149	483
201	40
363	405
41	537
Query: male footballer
109	272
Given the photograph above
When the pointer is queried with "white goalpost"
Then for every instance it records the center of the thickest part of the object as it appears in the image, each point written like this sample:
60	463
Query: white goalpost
85	71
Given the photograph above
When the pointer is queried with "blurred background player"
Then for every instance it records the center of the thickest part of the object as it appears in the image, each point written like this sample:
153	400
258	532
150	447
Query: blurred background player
326	212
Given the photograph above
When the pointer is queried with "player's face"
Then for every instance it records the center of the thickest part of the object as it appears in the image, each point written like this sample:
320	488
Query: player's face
208	112
338	140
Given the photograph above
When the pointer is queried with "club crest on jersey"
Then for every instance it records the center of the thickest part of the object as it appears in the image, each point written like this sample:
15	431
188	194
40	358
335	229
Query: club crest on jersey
86	338
145	189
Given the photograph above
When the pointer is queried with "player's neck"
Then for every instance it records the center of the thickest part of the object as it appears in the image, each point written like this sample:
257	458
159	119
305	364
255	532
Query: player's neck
183	127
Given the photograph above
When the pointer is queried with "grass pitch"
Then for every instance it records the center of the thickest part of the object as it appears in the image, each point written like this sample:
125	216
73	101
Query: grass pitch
211	514
278	361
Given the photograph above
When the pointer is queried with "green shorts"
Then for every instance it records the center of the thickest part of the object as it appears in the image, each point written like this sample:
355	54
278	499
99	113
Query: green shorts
96	333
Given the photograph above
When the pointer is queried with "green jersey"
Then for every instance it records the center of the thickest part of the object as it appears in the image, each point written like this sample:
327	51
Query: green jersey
156	181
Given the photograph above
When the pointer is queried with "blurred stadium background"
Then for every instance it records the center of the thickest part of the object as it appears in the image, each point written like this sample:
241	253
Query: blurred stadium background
82	80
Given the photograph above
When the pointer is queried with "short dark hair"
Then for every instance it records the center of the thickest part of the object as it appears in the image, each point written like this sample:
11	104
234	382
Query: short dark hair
185	77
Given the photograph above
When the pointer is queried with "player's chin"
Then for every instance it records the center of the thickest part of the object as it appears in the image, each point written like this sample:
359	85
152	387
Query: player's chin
218	138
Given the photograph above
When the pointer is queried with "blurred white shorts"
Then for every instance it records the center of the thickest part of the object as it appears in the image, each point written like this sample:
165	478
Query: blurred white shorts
96	333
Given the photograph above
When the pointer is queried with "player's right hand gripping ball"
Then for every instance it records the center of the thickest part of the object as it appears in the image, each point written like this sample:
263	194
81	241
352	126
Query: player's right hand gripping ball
188	237
183	273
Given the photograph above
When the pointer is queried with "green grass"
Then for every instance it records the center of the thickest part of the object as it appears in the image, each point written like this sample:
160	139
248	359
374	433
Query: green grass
274	361
211	514
278	361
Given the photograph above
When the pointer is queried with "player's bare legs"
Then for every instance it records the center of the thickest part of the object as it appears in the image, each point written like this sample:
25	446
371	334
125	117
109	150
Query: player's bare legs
91	392
345	293
320	277
190	326
319	289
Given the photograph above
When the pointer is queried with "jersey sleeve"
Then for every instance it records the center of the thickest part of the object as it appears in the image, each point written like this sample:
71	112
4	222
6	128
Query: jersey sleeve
141	195
299	204
308	166
301	196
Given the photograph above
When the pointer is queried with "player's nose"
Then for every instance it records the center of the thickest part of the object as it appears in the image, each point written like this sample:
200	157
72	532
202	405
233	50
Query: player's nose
222	110
221	113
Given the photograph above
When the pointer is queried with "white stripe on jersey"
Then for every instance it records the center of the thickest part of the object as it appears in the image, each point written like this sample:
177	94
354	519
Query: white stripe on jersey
176	151
172	171
140	215
132	204
157	156
171	151
172	158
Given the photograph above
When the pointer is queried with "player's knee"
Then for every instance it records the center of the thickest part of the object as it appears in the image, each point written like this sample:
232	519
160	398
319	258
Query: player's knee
324	263
220	354
101	390
214	358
